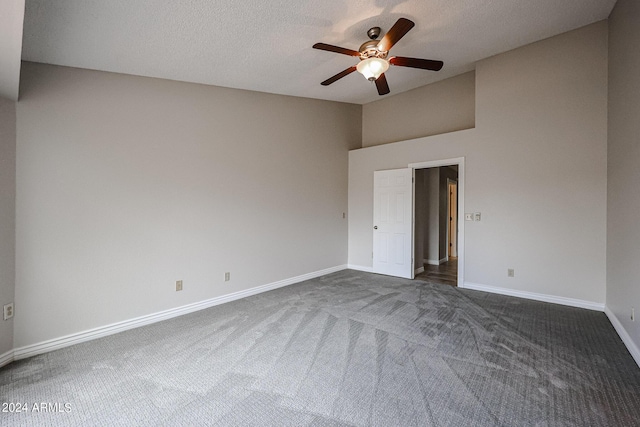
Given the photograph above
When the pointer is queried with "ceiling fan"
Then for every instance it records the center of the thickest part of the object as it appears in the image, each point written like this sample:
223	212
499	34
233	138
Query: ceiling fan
373	56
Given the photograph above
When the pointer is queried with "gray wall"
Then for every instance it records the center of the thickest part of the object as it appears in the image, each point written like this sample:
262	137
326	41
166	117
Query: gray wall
126	184
445	106
7	216
535	167
623	233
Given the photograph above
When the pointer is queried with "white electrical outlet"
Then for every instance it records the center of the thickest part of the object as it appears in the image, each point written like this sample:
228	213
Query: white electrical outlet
468	217
477	216
510	272
178	285
227	276
8	311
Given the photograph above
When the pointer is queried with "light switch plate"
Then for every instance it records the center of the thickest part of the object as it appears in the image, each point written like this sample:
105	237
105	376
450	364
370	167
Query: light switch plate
477	216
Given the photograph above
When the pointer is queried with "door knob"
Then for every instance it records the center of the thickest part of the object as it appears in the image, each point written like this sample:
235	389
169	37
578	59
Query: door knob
375	227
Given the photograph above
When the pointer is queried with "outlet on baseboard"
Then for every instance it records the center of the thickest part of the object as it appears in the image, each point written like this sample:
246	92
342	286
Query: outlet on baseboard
510	272
8	311
178	285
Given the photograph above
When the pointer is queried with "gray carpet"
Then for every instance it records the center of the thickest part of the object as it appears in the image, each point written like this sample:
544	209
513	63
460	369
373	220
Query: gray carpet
348	348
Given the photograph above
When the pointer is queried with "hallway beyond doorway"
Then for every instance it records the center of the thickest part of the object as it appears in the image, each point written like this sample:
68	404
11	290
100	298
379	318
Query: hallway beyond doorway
443	274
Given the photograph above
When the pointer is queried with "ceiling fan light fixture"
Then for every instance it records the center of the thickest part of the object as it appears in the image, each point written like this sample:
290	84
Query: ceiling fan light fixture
373	56
372	68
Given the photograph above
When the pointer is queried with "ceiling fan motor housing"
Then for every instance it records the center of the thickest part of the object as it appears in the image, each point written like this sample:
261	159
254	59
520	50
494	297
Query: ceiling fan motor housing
369	49
374	33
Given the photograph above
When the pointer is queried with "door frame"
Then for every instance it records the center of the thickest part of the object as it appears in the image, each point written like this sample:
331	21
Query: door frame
459	161
451	182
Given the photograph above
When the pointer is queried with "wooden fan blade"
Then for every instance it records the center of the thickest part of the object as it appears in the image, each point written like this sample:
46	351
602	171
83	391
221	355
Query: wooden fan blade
336	49
338	76
424	64
399	29
382	85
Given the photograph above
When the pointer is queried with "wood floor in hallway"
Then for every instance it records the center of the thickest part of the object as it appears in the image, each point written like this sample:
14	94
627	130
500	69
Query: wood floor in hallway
445	274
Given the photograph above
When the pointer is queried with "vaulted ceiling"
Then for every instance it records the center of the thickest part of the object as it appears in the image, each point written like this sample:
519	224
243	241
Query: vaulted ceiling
266	45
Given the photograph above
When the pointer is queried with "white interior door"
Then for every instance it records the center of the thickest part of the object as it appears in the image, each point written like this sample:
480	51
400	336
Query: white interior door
393	222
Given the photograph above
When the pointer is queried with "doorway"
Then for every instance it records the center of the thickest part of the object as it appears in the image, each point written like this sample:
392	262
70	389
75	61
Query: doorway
394	197
438	221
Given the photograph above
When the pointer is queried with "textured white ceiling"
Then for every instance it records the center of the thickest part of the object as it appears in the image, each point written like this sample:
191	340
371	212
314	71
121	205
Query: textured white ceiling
266	45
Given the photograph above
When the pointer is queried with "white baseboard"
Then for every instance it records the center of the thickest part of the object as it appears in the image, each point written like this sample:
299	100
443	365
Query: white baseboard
68	340
418	270
624	336
6	358
572	302
360	268
436	261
